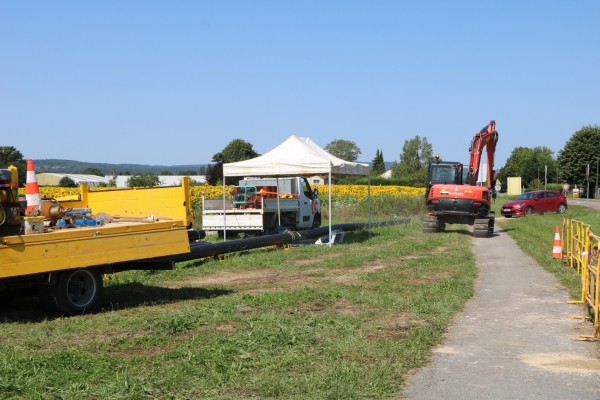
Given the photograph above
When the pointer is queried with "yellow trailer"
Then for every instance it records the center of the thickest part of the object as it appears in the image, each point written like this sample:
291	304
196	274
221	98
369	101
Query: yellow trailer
65	265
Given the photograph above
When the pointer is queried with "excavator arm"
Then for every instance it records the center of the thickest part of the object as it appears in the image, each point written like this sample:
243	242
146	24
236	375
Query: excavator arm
487	137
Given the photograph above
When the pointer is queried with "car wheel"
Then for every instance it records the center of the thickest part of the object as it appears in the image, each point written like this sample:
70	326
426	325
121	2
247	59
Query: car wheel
561	209
529	211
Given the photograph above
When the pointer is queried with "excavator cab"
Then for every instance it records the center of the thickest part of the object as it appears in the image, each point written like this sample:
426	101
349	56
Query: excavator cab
444	172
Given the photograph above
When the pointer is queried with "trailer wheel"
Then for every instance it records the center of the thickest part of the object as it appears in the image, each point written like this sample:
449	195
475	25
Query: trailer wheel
316	221
77	291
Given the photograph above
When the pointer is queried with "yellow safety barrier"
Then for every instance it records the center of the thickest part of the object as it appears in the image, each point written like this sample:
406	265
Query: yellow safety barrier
581	252
591	286
575	239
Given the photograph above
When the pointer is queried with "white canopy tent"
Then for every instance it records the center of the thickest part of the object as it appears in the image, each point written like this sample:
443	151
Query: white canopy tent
297	156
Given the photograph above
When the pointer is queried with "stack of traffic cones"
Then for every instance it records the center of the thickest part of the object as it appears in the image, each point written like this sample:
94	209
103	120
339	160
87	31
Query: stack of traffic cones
32	191
557	249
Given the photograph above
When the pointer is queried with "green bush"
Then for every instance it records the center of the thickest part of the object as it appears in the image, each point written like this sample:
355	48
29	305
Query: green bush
65	181
379	181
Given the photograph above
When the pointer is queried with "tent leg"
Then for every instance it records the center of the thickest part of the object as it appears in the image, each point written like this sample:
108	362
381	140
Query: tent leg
330	238
369	196
278	206
224	213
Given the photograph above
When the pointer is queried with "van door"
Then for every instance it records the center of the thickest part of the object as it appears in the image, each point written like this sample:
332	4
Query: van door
305	197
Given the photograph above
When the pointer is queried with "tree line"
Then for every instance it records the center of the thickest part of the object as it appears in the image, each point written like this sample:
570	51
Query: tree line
581	150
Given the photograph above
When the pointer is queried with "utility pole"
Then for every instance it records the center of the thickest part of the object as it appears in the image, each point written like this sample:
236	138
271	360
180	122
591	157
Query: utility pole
545	176
587	176
596	191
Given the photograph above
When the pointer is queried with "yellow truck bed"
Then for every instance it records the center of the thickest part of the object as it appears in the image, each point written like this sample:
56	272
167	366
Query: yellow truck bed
115	242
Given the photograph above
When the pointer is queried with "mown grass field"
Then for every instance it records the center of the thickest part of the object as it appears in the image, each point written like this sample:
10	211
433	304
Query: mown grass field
309	322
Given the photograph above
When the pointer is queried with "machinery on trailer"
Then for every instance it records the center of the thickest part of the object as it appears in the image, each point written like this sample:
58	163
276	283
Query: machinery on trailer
452	198
62	261
261	205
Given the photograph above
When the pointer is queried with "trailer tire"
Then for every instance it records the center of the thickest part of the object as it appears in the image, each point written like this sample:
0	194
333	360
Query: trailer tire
77	291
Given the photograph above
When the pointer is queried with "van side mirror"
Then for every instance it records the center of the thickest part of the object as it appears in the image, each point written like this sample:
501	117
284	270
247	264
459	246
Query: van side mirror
315	193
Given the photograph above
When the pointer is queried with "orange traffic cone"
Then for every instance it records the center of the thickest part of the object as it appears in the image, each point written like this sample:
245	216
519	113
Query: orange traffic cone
32	191
557	249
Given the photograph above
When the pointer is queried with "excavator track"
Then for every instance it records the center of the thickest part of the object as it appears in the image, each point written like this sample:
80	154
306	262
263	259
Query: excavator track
482	227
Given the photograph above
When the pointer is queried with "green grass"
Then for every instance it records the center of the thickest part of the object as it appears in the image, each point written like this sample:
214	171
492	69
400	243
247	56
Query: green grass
535	236
309	322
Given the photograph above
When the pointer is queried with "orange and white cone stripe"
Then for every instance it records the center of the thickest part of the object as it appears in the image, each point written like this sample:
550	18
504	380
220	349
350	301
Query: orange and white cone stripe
32	191
557	249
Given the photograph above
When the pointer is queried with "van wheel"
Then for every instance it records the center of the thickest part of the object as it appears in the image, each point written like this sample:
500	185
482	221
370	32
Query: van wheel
77	291
316	221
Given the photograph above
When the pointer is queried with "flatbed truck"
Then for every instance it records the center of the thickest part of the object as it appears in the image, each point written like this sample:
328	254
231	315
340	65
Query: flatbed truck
65	267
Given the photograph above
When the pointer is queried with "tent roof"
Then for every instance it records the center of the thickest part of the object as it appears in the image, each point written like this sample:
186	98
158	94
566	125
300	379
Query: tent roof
295	156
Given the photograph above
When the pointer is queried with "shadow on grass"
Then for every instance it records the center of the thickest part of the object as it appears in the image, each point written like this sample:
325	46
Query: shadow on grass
359	236
27	309
132	295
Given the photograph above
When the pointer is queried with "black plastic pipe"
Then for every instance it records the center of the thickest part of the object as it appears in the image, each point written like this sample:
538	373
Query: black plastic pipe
195	234
203	249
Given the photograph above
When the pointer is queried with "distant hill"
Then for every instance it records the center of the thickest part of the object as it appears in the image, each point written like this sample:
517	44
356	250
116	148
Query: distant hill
75	167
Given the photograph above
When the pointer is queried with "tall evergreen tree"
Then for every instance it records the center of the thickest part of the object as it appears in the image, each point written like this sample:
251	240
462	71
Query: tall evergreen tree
378	167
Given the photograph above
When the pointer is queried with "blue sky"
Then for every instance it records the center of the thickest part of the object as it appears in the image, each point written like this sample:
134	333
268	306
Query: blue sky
172	83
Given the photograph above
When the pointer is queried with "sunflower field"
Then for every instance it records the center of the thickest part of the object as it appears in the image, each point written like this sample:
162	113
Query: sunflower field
339	193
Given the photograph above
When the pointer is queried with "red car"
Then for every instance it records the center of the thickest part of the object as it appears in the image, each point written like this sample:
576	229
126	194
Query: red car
538	201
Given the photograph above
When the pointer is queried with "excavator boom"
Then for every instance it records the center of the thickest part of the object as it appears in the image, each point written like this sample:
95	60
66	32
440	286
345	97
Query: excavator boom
487	137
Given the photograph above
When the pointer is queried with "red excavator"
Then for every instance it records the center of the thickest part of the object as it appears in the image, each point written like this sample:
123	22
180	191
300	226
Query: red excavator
450	201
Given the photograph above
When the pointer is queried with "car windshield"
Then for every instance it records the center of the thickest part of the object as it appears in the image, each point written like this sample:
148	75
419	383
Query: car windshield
526	196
